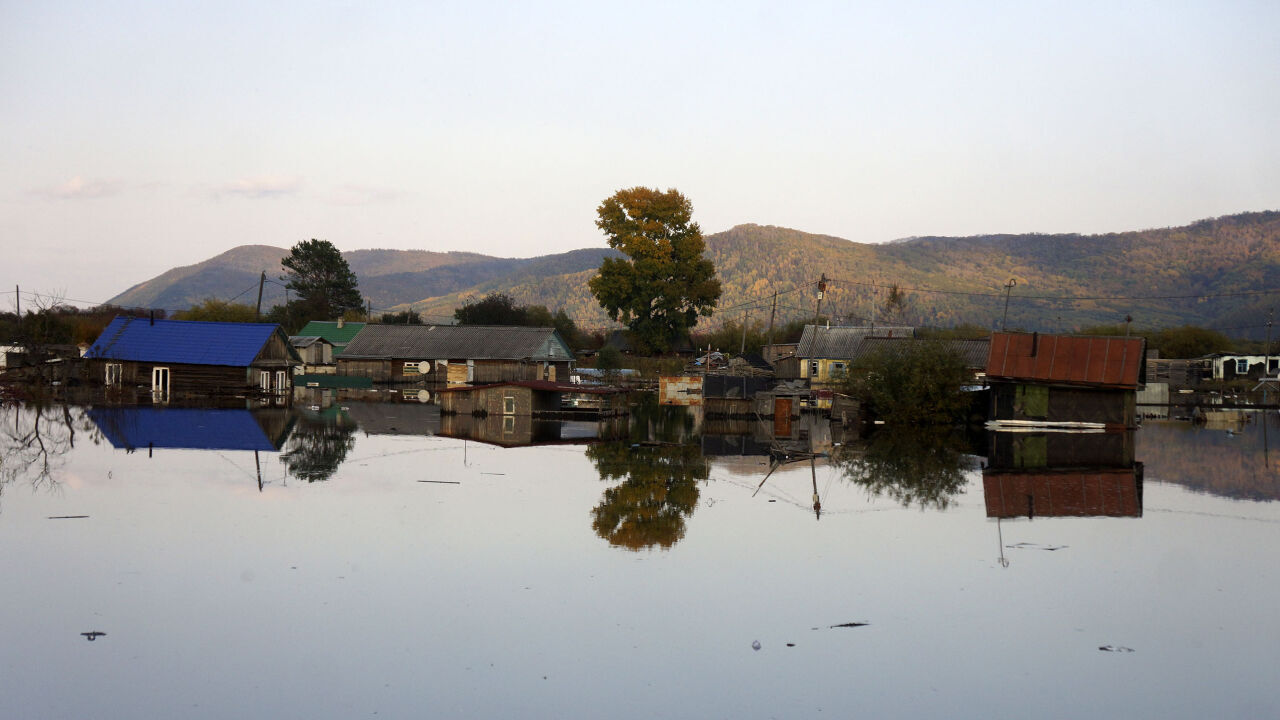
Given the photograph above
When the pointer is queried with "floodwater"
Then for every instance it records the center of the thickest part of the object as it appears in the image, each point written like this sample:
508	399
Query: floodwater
353	561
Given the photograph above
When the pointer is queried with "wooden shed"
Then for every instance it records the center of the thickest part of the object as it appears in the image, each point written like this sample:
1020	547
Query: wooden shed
456	354
531	398
195	359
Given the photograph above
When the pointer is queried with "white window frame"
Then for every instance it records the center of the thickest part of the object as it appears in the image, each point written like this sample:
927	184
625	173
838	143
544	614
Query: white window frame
156	374
1242	366
282	381
114	374
264	379
508	404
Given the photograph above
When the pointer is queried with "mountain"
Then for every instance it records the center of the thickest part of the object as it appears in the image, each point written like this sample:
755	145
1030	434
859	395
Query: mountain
1211	273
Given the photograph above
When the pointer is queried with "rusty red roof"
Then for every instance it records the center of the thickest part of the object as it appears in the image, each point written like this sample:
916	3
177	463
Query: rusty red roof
1113	362
1108	492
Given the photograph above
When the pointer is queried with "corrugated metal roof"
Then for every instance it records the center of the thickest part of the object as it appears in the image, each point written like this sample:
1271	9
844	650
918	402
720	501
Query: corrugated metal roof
329	330
458	342
842	342
1071	359
1103	492
302	341
182	341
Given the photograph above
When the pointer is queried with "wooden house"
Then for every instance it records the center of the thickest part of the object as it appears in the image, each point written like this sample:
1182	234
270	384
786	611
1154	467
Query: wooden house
1056	379
188	358
313	349
1240	366
338	333
528	398
456	354
824	354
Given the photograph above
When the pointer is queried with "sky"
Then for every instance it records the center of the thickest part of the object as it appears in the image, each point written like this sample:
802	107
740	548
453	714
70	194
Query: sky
142	136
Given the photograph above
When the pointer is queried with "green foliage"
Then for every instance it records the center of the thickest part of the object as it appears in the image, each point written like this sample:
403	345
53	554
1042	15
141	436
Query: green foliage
728	338
664	284
911	383
963	331
404	317
608	359
318	446
324	282
500	309
215	310
1188	342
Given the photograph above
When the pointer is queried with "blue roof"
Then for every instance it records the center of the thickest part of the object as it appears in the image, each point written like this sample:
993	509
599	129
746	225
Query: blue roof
182	341
180	428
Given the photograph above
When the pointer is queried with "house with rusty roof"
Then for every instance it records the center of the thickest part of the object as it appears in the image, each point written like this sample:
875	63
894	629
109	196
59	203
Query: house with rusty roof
1041	379
456	354
193	358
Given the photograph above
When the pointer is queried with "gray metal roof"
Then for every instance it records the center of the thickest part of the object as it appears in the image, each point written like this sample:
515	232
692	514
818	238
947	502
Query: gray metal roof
843	342
457	342
302	341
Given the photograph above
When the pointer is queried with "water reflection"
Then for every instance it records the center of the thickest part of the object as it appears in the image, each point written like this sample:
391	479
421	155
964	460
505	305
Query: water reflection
1062	474
34	440
319	444
914	466
1234	462
131	428
659	466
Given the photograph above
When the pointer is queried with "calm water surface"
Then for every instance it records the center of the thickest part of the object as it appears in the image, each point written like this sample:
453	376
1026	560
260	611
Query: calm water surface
355	563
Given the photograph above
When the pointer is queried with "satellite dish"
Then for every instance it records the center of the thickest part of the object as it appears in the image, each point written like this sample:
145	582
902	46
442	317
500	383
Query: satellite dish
424	396
424	367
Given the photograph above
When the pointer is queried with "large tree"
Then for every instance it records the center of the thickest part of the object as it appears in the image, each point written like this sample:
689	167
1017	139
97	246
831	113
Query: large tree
324	282
664	283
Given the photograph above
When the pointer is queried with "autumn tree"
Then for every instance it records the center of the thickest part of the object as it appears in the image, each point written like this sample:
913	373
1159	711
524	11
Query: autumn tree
215	310
322	278
664	283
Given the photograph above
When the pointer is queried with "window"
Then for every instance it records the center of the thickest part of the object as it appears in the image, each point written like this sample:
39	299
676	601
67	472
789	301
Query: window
160	381
1242	367
508	424
282	381
115	371
1273	365
264	379
838	368
508	405
813	368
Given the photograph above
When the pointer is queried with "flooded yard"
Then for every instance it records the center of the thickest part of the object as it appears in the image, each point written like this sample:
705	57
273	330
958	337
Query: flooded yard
356	561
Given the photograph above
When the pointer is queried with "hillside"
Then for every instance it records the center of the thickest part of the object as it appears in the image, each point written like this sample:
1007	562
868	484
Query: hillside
1063	281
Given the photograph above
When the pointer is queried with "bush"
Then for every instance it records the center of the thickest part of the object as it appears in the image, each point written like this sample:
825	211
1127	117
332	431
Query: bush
915	382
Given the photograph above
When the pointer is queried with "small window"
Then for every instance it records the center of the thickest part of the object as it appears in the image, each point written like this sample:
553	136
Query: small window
508	405
115	372
1242	367
1273	365
838	368
282	381
508	424
813	368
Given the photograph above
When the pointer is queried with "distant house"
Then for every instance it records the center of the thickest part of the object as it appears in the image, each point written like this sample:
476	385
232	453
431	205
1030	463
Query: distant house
337	333
1237	366
455	354
530	398
313	349
182	357
1065	378
824	354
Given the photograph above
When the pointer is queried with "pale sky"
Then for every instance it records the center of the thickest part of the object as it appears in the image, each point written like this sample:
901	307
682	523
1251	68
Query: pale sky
140	136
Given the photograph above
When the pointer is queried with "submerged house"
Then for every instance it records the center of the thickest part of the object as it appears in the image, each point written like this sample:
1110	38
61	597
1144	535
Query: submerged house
1055	474
313	349
183	357
824	354
1056	379
338	333
528	398
456	354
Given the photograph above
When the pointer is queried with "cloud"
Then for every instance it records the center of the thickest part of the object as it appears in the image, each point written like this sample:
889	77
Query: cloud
260	187
361	195
77	188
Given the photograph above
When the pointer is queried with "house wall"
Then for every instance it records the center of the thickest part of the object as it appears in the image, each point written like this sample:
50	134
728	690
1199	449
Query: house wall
457	372
1109	493
189	379
1227	367
1051	403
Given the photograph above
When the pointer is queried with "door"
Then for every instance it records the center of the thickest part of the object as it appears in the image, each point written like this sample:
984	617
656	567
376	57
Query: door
782	417
160	380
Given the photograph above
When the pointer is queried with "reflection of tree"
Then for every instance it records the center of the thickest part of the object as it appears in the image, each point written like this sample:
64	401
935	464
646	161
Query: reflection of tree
318	446
659	490
914	465
34	439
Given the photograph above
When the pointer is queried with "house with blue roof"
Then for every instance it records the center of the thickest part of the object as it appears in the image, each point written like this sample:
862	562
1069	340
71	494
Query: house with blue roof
192	358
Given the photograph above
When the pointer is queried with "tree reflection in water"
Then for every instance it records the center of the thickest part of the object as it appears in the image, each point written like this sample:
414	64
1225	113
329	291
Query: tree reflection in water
922	466
35	437
318	445
659	475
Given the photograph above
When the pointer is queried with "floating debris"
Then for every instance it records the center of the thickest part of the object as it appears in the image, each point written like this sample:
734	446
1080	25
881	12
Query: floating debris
849	625
93	635
791	644
442	482
67	517
1115	648
755	644
1035	546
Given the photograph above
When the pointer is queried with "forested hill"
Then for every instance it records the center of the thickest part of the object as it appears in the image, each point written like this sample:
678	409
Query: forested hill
1208	273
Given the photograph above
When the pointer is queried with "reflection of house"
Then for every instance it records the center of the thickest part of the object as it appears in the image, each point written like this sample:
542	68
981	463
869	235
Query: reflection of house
1065	378
1062	474
193	358
337	333
456	354
531	398
131	428
523	430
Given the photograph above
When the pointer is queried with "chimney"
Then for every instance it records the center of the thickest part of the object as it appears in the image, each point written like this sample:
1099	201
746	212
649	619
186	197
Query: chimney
153	317
341	322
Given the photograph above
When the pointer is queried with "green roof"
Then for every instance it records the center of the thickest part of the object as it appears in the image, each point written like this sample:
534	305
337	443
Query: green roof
330	331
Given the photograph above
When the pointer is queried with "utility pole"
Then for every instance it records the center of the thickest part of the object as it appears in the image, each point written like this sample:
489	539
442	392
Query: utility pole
257	314
742	350
17	301
1008	290
822	290
772	312
1266	364
368	313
